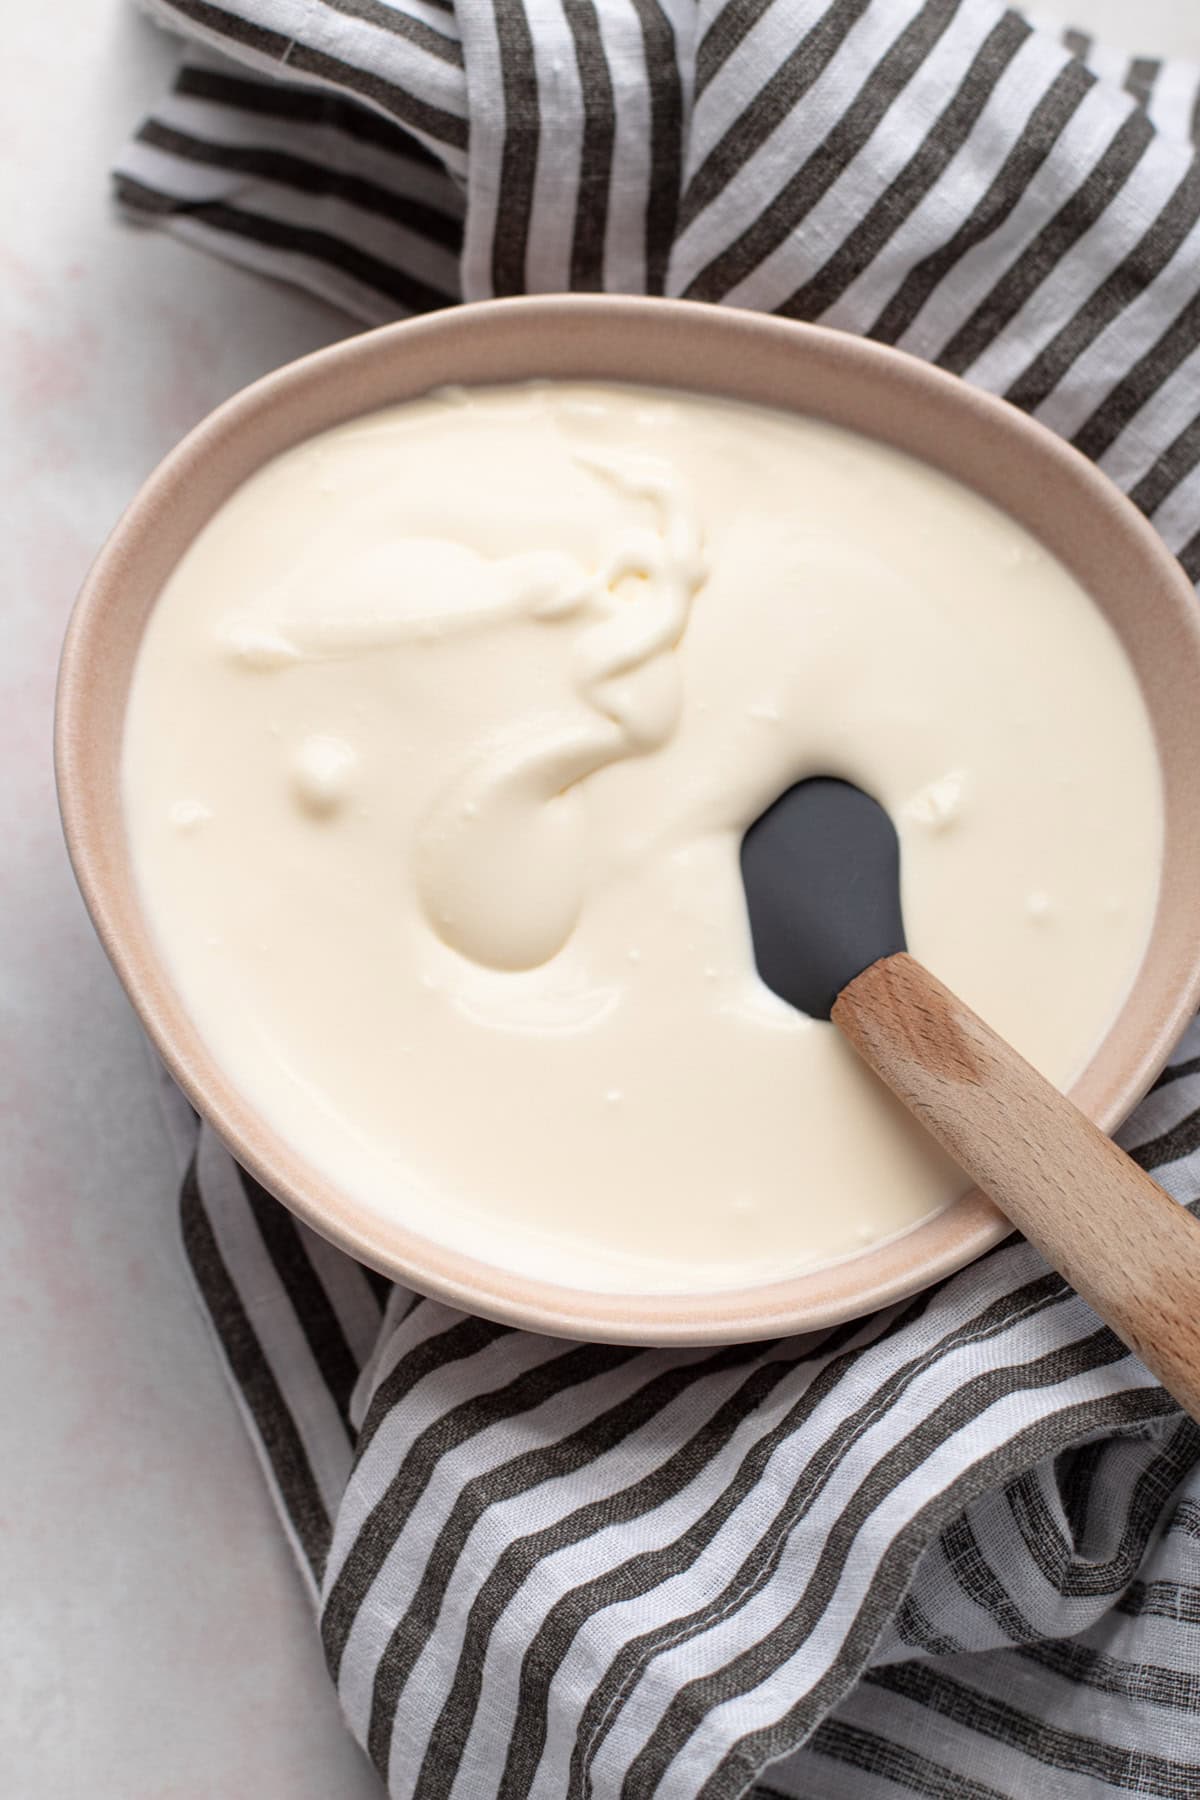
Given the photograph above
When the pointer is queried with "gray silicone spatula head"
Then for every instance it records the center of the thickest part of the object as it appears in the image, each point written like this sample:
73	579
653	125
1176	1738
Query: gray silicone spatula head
821	869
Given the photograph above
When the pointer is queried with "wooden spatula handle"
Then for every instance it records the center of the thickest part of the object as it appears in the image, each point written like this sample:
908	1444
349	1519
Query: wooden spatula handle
1125	1245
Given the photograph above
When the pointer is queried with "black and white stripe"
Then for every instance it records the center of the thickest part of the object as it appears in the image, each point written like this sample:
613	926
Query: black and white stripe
301	183
951	1550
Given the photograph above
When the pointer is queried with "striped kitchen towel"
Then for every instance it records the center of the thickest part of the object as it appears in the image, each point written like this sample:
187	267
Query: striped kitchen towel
949	1550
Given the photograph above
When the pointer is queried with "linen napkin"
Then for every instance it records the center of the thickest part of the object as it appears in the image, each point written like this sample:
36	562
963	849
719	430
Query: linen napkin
949	1550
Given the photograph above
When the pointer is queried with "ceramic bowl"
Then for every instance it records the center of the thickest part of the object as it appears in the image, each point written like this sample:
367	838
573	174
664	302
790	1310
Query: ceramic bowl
1050	489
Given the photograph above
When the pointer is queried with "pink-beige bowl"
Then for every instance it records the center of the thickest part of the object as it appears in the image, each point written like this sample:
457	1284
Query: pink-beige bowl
1051	490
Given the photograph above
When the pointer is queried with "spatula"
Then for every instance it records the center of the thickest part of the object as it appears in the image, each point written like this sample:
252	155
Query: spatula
821	869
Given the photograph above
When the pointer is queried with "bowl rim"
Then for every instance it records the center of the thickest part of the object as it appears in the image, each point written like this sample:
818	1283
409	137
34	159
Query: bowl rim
725	351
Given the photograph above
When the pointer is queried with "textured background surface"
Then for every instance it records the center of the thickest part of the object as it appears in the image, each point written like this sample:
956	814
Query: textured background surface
154	1642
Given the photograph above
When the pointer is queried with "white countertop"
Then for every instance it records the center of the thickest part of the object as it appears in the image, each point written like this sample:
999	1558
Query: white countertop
155	1643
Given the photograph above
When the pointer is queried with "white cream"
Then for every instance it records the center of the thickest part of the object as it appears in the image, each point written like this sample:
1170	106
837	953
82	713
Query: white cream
439	751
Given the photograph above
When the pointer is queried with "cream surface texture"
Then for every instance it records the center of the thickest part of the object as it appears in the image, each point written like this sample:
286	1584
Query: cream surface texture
440	747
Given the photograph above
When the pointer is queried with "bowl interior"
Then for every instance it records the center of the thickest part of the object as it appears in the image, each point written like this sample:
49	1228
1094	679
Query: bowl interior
981	441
